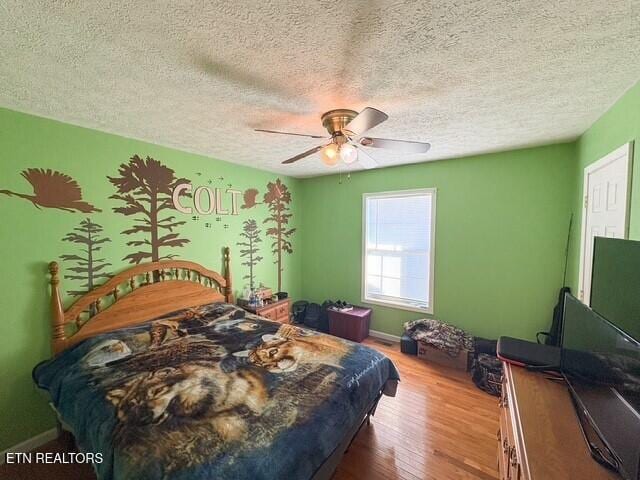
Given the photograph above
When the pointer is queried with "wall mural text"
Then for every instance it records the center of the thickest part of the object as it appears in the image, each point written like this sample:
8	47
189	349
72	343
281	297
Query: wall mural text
206	200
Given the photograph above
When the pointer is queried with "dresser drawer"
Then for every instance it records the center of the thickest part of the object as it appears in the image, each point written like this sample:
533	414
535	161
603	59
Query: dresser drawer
508	463
282	312
504	447
269	313
278	312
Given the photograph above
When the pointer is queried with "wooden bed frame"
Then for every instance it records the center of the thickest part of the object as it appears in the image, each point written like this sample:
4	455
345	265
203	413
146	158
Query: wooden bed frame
144	292
135	295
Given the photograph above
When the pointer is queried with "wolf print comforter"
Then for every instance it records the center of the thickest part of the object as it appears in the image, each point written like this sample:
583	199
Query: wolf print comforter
213	392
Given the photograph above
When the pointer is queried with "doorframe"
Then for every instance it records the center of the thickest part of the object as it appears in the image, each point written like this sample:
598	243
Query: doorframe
626	151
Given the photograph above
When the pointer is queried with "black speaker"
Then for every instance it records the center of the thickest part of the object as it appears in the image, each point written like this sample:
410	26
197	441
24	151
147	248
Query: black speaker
408	345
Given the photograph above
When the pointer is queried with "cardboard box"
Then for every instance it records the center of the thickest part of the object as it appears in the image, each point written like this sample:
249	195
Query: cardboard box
433	355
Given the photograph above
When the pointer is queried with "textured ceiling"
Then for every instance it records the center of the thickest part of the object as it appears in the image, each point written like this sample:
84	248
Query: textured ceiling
467	76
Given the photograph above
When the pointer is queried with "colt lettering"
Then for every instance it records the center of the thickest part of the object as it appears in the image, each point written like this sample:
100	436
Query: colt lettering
206	200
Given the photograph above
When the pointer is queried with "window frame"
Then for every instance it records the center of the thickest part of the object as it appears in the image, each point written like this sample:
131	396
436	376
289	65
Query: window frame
390	303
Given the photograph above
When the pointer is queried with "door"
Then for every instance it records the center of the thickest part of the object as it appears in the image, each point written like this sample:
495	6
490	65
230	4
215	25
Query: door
606	207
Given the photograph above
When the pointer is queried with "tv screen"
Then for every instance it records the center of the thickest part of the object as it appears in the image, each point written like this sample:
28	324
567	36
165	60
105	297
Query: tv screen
615	283
602	366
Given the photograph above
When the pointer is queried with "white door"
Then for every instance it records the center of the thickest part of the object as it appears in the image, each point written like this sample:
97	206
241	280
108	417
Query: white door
606	207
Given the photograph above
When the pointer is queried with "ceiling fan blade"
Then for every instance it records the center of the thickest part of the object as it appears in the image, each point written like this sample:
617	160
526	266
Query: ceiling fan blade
366	160
404	146
365	120
288	133
300	156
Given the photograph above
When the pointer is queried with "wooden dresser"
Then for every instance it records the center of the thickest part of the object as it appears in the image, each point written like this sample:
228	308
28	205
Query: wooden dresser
277	311
539	436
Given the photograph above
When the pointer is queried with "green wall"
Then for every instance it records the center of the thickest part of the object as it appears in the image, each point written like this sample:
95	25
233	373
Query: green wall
31	237
500	237
619	125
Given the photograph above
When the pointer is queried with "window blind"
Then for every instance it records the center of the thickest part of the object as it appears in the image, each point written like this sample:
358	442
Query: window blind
398	248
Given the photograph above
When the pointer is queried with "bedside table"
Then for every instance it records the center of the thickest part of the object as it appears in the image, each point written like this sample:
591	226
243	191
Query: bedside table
352	325
276	311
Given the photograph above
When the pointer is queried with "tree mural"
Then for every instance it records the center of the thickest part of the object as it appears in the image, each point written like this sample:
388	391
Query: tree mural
250	251
278	199
52	189
145	187
249	196
88	268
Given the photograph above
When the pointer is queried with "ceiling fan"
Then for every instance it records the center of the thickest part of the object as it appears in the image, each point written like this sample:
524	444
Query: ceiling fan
346	128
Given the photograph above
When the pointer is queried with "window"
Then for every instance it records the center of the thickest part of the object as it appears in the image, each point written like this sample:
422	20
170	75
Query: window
398	251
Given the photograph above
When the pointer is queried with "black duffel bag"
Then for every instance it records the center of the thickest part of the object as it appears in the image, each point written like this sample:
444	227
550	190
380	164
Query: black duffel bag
312	316
298	310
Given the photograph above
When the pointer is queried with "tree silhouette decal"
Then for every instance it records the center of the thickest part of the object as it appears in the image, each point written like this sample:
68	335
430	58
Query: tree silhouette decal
88	268
278	199
145	187
252	235
52	189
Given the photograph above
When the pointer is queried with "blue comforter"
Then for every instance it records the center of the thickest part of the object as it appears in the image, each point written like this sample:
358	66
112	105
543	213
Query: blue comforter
212	392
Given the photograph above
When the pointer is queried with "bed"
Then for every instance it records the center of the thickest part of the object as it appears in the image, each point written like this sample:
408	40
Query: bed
162	375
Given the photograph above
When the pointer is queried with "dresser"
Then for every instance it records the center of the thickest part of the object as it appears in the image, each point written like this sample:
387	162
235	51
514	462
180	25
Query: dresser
539	436
276	311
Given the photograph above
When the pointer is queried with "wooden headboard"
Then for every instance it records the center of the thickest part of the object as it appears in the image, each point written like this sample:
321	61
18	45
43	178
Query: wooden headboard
138	294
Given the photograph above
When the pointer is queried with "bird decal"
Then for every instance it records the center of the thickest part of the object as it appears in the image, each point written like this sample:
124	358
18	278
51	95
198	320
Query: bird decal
52	189
249	197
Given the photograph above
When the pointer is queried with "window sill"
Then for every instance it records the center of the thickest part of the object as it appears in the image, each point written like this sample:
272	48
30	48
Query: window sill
399	306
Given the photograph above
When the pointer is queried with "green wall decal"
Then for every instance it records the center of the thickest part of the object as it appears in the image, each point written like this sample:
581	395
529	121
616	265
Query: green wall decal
53	189
88	268
251	234
145	186
278	199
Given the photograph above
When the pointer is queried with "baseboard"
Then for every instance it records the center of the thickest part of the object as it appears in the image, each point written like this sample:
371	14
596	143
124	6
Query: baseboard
384	336
30	444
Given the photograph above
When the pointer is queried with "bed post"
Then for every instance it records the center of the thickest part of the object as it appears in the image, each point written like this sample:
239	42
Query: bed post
57	312
228	293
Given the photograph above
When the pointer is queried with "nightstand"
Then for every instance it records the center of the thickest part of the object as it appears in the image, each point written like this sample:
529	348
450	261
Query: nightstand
276	311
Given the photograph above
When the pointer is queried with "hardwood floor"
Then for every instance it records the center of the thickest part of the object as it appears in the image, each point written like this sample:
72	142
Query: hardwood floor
439	426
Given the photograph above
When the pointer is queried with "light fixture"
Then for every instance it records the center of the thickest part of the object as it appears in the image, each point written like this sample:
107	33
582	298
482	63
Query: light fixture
329	154
348	153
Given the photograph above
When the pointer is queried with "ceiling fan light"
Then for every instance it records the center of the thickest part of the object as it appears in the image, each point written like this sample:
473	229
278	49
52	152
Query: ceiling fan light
348	153
329	155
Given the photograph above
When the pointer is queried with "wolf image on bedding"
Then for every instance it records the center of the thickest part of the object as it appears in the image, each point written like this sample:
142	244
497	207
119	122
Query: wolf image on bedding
291	346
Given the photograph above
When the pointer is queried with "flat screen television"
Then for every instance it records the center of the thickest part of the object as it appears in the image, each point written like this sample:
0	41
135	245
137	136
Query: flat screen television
615	283
601	364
